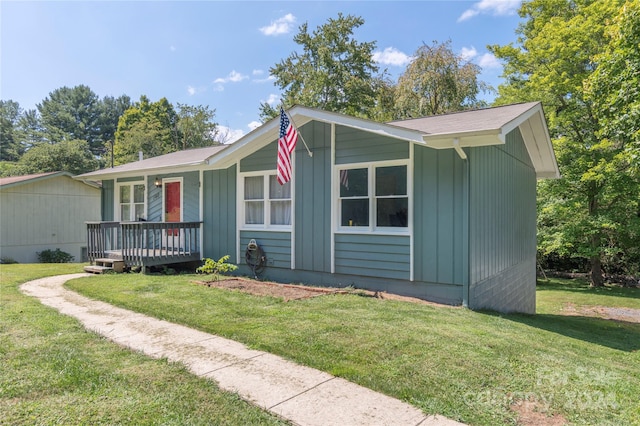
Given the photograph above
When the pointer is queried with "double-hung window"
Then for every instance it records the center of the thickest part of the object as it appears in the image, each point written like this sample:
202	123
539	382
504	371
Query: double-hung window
374	197
266	203
131	201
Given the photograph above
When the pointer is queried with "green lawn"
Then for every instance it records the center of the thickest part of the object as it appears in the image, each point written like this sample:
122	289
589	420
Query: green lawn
52	371
469	366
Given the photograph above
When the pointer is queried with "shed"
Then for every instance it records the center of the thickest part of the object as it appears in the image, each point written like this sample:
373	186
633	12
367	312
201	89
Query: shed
45	211
441	208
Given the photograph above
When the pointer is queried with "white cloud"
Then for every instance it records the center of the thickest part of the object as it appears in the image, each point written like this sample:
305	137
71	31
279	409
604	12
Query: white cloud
172	48
191	90
218	88
391	56
254	125
264	80
257	72
491	7
488	60
227	135
273	99
233	77
468	53
282	25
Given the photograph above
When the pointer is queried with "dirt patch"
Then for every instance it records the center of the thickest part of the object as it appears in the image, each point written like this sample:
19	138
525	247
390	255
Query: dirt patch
604	312
289	292
531	413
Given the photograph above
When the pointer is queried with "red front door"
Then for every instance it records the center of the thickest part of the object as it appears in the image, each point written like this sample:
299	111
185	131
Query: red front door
172	204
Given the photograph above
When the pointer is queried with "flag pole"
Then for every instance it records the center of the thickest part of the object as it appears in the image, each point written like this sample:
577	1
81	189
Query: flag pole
299	134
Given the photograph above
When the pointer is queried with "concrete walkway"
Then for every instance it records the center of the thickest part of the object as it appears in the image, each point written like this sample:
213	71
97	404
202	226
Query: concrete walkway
301	395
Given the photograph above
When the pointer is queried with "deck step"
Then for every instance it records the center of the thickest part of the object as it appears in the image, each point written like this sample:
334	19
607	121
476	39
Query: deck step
116	264
95	269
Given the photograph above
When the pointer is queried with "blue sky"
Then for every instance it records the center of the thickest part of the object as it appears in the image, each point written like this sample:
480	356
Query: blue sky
218	53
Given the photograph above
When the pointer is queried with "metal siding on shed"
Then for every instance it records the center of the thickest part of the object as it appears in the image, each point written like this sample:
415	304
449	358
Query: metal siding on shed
46	214
313	200
502	227
439	205
219	188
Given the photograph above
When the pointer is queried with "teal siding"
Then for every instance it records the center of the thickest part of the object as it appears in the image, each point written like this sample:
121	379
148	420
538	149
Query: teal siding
191	197
219	218
357	146
107	205
373	255
263	159
313	200
439	207
276	246
502	228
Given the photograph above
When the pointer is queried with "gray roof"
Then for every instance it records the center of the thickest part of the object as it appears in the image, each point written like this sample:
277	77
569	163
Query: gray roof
186	158
480	120
7	182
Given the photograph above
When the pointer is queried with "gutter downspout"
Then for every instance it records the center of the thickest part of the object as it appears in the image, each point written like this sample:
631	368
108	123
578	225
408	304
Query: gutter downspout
466	223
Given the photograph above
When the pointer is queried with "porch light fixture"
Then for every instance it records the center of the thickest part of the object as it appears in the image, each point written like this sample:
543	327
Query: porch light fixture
158	183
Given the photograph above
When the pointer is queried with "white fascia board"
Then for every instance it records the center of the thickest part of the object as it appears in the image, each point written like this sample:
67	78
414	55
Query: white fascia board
141	172
465	140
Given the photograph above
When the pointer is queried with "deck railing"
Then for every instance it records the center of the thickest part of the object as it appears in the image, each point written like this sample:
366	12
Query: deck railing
144	243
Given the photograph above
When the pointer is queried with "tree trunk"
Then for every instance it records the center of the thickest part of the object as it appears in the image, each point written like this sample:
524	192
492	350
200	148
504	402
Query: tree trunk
596	272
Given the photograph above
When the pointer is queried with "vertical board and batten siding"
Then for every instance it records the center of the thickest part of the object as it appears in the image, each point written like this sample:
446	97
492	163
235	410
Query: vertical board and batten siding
46	214
190	197
439	206
373	255
219	214
313	199
262	160
357	146
107	201
502	227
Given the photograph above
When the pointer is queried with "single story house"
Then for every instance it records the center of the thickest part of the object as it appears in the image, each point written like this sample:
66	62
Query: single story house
441	208
45	211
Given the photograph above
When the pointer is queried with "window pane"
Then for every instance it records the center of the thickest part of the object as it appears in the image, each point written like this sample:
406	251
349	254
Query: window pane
125	194
281	212
277	191
138	193
355	212
391	180
354	183
254	212
139	211
125	212
253	188
392	212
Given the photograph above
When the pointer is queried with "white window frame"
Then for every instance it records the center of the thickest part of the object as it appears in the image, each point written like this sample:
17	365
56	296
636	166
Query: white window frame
372	197
266	206
118	203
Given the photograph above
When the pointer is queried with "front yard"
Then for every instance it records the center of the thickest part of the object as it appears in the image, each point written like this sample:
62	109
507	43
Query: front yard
560	366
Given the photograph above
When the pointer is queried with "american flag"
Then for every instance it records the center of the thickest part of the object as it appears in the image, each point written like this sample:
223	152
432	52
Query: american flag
286	145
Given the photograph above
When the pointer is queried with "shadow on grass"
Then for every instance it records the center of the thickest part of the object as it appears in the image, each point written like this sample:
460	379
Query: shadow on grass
619	335
581	286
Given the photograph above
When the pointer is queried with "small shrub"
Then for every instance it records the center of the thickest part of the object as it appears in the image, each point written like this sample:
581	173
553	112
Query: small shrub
7	261
216	267
54	256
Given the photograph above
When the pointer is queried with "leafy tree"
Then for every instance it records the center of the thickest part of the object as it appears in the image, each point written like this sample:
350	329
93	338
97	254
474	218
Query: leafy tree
73	156
110	111
196	126
437	81
583	213
72	113
150	127
29	131
10	149
333	71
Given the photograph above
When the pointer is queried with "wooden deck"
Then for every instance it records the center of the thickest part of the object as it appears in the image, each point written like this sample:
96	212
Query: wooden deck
142	244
